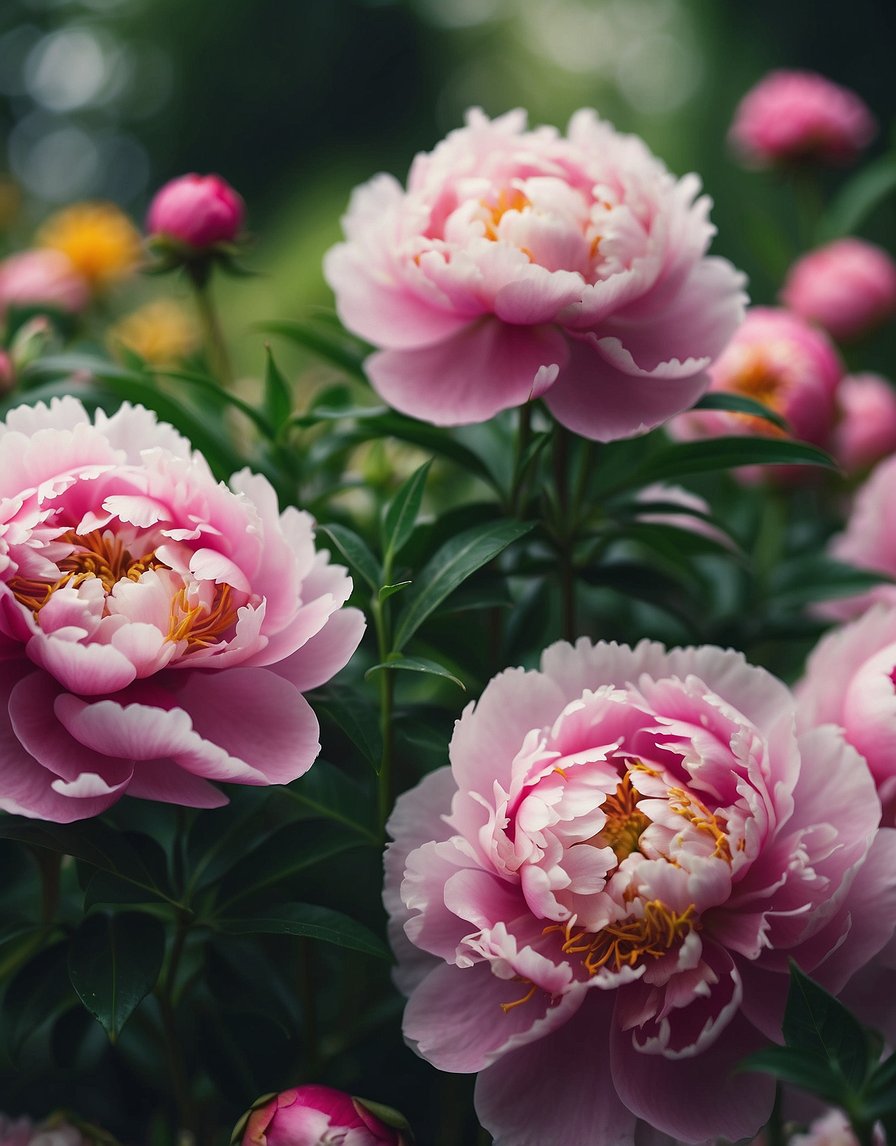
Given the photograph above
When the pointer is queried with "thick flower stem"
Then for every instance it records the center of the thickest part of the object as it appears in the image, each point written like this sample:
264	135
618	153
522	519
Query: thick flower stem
517	495
216	347
565	531
382	626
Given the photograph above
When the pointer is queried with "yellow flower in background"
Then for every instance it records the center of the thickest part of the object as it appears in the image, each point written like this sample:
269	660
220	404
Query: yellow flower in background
160	332
99	238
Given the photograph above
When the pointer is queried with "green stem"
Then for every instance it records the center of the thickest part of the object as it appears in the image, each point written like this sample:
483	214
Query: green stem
517	496
381	621
213	335
166	996
565	532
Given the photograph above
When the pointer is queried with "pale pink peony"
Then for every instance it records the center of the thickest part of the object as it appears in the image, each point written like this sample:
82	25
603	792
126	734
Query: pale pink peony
868	542
595	905
316	1115
850	680
833	1129
520	263
785	363
866	430
848	287
23	1132
157	628
198	210
42	278
791	116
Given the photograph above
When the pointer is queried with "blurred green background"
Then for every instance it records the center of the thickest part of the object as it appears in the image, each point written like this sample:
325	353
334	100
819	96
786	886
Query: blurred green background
294	103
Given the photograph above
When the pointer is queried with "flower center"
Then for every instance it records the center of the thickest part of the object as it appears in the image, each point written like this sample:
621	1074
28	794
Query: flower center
625	823
652	934
511	199
96	554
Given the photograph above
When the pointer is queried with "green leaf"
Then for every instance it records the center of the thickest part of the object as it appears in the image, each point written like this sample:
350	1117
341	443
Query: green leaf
398	524
38	992
289	851
333	345
817	1023
808	1071
417	664
359	722
311	922
880	1096
327	792
684	458
113	964
859	197
740	404
212	387
356	552
386	591
818	578
450	566
433	439
277	401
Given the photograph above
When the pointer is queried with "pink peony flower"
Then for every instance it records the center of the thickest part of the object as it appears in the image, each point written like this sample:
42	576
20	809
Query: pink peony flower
520	263
42	277
198	210
23	1132
850	680
797	115
595	905
868	542
316	1116
833	1129
866	430
848	287
783	362
157	628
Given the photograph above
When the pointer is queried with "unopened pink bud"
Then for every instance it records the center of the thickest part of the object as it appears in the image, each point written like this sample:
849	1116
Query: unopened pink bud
848	287
197	210
314	1115
866	431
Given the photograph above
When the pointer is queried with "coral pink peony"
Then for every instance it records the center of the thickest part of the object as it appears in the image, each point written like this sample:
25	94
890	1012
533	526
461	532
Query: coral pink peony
868	542
848	287
42	278
791	116
783	362
595	905
521	263
198	210
850	680
157	628
316	1116
866	430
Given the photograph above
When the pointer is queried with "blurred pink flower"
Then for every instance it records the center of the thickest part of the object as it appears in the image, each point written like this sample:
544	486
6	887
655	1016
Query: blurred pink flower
42	277
866	430
868	542
520	263
595	905
317	1116
848	287
785	363
199	210
833	1129
797	115
157	628
850	681
23	1132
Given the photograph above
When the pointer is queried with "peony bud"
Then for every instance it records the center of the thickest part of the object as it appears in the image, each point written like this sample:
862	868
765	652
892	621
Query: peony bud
866	431
198	211
848	287
42	279
318	1115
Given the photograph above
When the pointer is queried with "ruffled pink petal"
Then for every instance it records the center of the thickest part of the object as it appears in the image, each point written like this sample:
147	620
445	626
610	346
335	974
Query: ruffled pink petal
593	397
167	781
558	1089
87	669
324	654
693	1099
488	366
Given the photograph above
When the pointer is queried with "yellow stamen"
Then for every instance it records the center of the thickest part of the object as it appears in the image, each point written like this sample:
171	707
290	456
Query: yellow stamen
512	200
625	823
507	1007
696	812
650	935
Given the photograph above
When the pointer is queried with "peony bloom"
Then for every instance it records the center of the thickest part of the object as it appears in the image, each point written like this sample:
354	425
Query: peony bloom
42	278
315	1116
866	430
848	287
520	263
833	1129
868	542
850	680
197	210
23	1132
595	905
780	360
99	239
157	628
791	116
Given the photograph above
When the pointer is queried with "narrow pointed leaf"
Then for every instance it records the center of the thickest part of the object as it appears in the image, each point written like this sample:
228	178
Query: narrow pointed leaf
311	922
386	591
417	664
740	404
113	964
859	197
327	792
401	516
356	552
334	345
808	1071
277	393
817	1023
450	566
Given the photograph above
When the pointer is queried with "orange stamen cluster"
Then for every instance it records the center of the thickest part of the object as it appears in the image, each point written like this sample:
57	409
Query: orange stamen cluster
650	935
507	200
625	822
696	813
97	554
200	625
